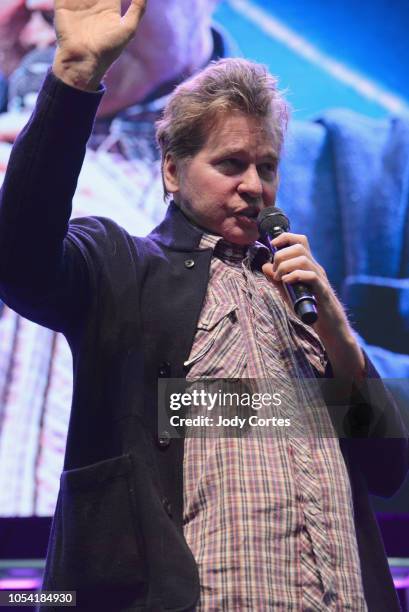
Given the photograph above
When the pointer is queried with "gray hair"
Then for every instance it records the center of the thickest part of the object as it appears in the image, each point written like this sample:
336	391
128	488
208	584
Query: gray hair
226	85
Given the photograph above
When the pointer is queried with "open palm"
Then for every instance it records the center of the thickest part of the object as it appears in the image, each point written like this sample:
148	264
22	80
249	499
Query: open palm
93	31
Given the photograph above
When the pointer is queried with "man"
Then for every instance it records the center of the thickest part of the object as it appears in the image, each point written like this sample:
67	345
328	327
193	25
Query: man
135	309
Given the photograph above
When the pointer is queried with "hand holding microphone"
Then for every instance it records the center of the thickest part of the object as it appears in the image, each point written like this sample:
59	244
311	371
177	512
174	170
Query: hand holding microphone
272	223
311	293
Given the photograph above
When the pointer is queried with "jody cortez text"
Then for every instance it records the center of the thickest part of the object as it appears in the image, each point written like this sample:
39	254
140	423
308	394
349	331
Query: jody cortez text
238	422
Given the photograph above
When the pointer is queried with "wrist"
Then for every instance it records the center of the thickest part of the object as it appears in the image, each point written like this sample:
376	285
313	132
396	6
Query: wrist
81	74
344	353
332	325
346	357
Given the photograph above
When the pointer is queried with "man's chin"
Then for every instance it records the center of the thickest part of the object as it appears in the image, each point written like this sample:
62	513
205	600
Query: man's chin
241	237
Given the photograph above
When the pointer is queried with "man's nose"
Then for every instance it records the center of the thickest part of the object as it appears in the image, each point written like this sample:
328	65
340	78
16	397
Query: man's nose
251	184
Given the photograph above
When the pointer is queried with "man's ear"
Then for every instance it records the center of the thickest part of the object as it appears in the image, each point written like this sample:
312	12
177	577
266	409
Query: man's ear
170	174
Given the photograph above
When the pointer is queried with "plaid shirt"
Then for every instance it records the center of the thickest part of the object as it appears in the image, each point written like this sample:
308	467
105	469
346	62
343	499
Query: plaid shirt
269	519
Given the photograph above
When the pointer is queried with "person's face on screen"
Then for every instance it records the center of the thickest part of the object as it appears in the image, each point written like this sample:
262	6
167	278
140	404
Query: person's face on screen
170	27
224	186
26	25
174	38
38	31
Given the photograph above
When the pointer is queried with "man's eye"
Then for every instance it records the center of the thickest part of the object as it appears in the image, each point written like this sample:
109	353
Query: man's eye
268	170
231	165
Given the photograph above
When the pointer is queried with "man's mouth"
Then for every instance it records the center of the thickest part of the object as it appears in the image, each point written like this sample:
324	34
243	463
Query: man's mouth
250	213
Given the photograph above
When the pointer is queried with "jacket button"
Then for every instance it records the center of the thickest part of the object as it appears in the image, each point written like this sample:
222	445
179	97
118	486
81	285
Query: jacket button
164	439
189	263
167	506
164	370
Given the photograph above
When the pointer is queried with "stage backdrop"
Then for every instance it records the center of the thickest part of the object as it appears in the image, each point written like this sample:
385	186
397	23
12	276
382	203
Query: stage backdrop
344	54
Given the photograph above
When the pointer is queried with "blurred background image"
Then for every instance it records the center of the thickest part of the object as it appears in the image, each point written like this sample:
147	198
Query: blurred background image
344	183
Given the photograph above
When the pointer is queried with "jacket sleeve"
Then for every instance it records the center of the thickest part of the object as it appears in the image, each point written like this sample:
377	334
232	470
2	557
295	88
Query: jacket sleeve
43	275
374	435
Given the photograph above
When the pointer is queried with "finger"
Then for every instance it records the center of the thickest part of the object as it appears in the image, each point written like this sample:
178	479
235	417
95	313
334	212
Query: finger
296	263
287	239
295	250
308	277
267	269
133	15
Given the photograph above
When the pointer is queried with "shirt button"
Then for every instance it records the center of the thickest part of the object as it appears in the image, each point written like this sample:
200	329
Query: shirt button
313	509
164	370
329	597
233	316
189	263
164	439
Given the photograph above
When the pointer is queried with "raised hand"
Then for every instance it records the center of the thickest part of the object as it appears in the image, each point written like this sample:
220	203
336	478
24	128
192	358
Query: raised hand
91	35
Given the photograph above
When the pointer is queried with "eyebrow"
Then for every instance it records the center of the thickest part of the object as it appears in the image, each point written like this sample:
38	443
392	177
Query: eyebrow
240	151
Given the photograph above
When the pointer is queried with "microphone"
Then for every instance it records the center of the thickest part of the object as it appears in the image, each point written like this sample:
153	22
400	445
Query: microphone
272	222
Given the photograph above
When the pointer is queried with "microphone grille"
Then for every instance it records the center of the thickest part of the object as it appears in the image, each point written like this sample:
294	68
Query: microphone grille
270	218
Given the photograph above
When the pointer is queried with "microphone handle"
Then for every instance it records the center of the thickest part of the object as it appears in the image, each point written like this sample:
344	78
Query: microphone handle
304	302
300	294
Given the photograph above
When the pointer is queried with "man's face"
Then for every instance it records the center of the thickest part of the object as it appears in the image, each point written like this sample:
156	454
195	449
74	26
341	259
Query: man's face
38	32
170	27
234	176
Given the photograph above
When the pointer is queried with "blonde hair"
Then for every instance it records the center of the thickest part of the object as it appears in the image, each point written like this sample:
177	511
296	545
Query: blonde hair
223	86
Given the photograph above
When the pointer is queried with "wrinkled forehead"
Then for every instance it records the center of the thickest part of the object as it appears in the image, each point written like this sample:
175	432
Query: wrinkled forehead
235	131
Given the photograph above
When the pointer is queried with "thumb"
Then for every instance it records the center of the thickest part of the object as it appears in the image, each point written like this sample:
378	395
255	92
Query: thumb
267	270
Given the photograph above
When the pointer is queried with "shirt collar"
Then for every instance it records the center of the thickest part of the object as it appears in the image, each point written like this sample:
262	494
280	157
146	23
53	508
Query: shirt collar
176	232
257	253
